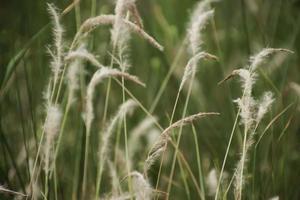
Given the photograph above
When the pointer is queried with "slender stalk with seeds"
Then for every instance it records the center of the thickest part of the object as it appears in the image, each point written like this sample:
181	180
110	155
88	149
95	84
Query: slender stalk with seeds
55	65
126	107
97	78
246	106
199	19
51	128
101	20
159	146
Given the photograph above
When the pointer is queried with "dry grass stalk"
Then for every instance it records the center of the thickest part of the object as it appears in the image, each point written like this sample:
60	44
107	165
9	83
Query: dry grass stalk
94	22
83	54
126	107
190	68
251	111
97	78
136	134
260	58
5	190
160	145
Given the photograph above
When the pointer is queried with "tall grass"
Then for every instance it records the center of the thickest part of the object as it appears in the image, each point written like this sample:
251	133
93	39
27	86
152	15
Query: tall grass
194	134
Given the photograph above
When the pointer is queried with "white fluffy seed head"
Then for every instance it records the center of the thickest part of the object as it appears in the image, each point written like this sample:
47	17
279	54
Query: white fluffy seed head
83	54
51	127
140	130
125	108
246	103
199	18
97	78
114	178
75	58
190	68
260	58
160	145
58	30
197	24
120	34
212	182
53	121
247	78
264	105
247	109
141	187
73	79
100	20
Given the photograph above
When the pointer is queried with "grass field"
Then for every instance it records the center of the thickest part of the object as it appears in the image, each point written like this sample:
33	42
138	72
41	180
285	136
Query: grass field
150	99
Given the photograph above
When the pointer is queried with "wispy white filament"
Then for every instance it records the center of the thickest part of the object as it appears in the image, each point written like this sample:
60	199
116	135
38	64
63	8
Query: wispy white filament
190	68
141	187
58	30
197	24
260	58
126	107
264	105
246	103
83	54
51	127
97	78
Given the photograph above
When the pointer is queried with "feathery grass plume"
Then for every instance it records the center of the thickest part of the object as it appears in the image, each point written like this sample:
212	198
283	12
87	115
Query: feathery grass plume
97	78
251	112
141	187
115	183
137	133
126	107
160	145
190	68
198	21
83	54
5	190
264	105
94	22
51	127
75	58
246	103
212	182
58	30
73	79
120	33
247	106
119	28
259	59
